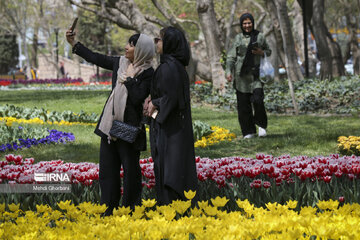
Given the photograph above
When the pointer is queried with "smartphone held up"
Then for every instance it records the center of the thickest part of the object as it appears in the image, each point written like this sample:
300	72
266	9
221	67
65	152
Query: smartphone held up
72	28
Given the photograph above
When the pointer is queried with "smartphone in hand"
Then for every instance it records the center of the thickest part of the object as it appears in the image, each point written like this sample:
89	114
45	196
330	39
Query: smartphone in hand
74	24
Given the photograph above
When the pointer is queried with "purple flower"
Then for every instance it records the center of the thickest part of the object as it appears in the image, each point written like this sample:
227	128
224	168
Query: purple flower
53	137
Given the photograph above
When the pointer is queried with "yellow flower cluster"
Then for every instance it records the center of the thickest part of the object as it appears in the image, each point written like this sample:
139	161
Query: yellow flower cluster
218	135
349	145
179	221
10	120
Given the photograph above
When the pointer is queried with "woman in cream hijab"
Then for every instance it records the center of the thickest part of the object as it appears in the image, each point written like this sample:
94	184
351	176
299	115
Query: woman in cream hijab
131	79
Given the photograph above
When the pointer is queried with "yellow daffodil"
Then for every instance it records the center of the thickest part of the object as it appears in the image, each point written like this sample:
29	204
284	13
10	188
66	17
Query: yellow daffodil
323	205
291	204
10	120
219	202
203	204
189	194
42	208
181	206
219	134
280	222
169	214
196	212
349	145
2	207
210	211
14	207
148	203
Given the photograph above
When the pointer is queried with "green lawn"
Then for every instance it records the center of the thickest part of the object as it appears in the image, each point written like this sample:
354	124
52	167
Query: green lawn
294	135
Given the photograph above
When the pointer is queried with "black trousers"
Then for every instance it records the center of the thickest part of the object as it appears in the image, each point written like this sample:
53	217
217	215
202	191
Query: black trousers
112	156
251	111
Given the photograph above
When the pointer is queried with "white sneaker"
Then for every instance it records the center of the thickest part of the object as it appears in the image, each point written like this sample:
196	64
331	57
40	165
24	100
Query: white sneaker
262	132
249	136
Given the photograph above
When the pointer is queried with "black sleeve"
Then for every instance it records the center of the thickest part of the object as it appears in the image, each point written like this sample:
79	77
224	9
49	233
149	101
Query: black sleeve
170	86
139	87
98	59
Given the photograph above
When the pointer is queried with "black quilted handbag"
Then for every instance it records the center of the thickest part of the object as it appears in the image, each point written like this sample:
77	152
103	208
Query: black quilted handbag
124	131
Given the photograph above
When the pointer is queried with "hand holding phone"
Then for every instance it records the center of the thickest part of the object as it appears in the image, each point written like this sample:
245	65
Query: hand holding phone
70	34
74	24
256	49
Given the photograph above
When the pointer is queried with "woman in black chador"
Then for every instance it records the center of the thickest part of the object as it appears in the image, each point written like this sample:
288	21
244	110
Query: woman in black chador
171	133
131	80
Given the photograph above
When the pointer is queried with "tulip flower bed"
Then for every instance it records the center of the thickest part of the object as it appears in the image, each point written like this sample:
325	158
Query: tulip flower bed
45	115
59	87
328	220
13	139
102	77
349	145
5	82
260	180
108	83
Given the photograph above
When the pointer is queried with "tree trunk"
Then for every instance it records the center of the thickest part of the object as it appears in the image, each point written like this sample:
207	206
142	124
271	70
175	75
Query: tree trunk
274	57
271	8
292	66
229	24
210	28
298	30
352	46
329	51
34	48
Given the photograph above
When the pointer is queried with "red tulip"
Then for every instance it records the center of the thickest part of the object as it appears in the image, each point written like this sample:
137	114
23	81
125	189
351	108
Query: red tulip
266	184
327	179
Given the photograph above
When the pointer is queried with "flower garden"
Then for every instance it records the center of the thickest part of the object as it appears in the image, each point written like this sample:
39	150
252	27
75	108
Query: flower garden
294	184
54	84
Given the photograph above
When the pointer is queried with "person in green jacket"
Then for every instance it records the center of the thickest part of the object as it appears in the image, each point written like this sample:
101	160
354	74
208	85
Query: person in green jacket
243	68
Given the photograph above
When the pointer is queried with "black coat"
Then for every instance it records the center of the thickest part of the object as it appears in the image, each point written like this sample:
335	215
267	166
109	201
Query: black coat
171	133
138	89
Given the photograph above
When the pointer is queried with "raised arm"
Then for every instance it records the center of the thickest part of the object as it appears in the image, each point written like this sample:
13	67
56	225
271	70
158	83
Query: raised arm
98	59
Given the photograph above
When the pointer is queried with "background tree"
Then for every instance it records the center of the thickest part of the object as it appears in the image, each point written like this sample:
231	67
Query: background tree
8	52
211	31
348	29
15	16
328	51
92	32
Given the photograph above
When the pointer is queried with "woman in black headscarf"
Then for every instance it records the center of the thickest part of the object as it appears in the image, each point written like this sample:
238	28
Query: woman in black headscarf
243	66
171	133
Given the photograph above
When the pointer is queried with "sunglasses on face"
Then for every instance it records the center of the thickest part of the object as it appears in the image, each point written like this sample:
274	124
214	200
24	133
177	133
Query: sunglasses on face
156	40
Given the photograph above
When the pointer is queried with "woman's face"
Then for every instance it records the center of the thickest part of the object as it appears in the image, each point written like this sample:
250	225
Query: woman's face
159	45
129	51
247	25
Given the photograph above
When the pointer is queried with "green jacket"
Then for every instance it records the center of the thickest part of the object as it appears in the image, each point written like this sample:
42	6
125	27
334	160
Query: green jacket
235	58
